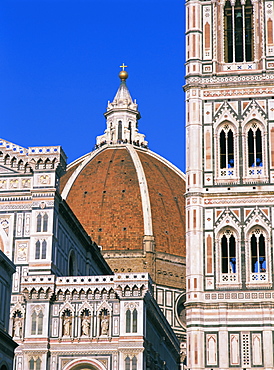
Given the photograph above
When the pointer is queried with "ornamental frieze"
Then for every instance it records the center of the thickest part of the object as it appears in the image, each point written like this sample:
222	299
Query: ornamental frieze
249	200
237	92
232	78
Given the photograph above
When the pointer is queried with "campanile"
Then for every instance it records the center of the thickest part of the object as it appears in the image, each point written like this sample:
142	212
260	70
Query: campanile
230	177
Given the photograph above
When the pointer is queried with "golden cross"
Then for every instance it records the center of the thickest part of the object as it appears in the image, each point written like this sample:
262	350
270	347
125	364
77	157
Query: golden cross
123	66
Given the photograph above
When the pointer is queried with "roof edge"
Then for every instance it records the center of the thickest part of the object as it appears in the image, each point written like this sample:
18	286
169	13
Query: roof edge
84	160
166	162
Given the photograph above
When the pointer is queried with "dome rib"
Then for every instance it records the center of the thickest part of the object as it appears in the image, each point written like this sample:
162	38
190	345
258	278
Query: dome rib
143	190
168	226
166	190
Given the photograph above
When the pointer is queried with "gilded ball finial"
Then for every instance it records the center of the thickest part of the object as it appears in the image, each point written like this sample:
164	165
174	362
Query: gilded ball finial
123	74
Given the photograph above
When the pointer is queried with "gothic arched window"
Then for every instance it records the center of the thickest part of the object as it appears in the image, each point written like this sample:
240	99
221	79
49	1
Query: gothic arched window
131	321
128	321
38	364
44	250
40	323
238	27
127	363
39	223
228	253
120	137
130	132
45	223
40	253
134	363
37	323
258	252
31	364
37	250
33	323
255	153
226	148
134	321
42	223
35	365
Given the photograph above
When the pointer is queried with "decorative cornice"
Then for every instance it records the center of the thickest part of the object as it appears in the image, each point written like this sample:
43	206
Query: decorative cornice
233	79
220	93
247	200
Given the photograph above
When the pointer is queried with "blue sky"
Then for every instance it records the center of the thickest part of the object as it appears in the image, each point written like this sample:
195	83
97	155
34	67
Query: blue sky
59	65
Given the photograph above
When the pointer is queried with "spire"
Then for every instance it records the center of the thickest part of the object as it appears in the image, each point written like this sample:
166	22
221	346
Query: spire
123	95
122	117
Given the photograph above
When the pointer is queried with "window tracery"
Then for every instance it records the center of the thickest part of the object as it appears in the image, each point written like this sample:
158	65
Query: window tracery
228	257
254	149
42	223
254	140
120	134
35	364
228	253
131	363
134	363
128	321
238	31
44	250
40	249
39	223
134	320
258	256
45	222
127	363
131	320
226	148
226	151
37	322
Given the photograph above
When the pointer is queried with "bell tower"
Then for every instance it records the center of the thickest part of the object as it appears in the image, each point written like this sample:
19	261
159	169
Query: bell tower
230	177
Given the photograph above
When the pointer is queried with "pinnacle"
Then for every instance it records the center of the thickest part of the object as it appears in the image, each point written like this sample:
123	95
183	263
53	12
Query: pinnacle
122	95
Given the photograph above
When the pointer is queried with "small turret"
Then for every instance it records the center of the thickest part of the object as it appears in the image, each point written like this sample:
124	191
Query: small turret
122	118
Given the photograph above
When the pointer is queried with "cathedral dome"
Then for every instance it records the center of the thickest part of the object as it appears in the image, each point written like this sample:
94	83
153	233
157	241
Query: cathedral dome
122	193
129	199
